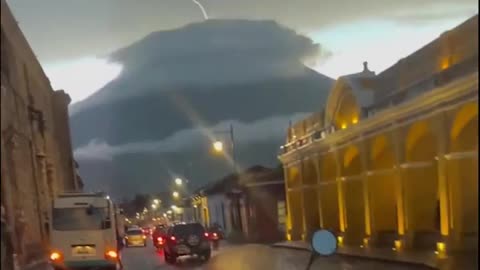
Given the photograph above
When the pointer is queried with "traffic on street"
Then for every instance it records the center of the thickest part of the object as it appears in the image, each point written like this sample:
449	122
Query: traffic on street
178	245
250	257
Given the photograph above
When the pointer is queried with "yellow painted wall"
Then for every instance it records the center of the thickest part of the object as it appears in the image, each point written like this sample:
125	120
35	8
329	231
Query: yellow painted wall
354	196
312	217
296	214
463	172
381	185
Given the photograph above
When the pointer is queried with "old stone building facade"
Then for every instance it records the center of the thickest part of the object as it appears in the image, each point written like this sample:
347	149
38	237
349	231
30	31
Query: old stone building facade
36	153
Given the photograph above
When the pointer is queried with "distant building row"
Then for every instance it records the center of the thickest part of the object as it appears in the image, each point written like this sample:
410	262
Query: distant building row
250	205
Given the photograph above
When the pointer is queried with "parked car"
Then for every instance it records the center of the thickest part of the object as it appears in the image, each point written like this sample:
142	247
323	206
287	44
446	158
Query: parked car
135	237
186	239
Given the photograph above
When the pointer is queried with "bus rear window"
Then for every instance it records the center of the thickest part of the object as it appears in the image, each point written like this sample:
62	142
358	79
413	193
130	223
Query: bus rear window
78	219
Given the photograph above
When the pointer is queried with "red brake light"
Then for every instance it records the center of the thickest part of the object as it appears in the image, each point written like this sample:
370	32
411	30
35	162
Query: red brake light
172	238
215	234
160	240
55	256
111	254
206	234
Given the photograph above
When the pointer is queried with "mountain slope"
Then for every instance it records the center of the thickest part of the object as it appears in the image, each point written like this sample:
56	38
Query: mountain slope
151	120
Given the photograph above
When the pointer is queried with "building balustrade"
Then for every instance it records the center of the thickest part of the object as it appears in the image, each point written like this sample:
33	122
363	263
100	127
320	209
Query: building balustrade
424	85
398	97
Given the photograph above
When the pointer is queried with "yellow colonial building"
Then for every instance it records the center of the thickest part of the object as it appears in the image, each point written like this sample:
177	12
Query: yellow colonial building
392	159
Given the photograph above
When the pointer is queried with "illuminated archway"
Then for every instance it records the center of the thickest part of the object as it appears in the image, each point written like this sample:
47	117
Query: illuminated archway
464	132
381	189
421	185
309	195
354	195
463	171
328	192
342	109
294	201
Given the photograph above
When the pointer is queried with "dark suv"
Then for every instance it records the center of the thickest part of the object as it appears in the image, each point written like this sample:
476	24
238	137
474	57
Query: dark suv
186	239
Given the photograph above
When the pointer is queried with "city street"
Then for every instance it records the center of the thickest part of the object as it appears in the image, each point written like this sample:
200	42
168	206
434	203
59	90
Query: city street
249	257
321	135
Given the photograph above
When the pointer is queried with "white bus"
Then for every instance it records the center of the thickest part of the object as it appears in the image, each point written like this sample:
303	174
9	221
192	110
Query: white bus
84	232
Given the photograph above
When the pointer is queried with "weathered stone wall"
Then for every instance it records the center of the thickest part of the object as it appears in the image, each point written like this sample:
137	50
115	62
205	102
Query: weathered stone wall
37	160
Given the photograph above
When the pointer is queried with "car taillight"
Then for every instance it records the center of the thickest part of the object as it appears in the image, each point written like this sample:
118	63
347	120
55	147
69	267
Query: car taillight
206	234
55	256
215	235
144	237
160	240
111	255
172	238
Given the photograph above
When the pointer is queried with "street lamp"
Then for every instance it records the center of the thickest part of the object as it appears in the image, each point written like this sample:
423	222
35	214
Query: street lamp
156	201
154	206
178	181
175	194
218	145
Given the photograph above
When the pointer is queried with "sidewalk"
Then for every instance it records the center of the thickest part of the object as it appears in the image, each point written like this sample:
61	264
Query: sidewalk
427	259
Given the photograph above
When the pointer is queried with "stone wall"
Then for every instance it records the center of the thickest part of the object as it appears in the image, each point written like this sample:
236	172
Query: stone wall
36	155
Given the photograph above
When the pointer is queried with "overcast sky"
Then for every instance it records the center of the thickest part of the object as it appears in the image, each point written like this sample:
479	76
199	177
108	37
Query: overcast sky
72	37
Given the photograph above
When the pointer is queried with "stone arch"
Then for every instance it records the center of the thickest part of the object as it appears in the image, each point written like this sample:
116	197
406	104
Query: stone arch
351	164
381	190
420	143
463	171
464	131
353	188
382	155
421	185
342	108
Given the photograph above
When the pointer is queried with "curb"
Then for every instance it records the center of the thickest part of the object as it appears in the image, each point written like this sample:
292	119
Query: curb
291	247
363	257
